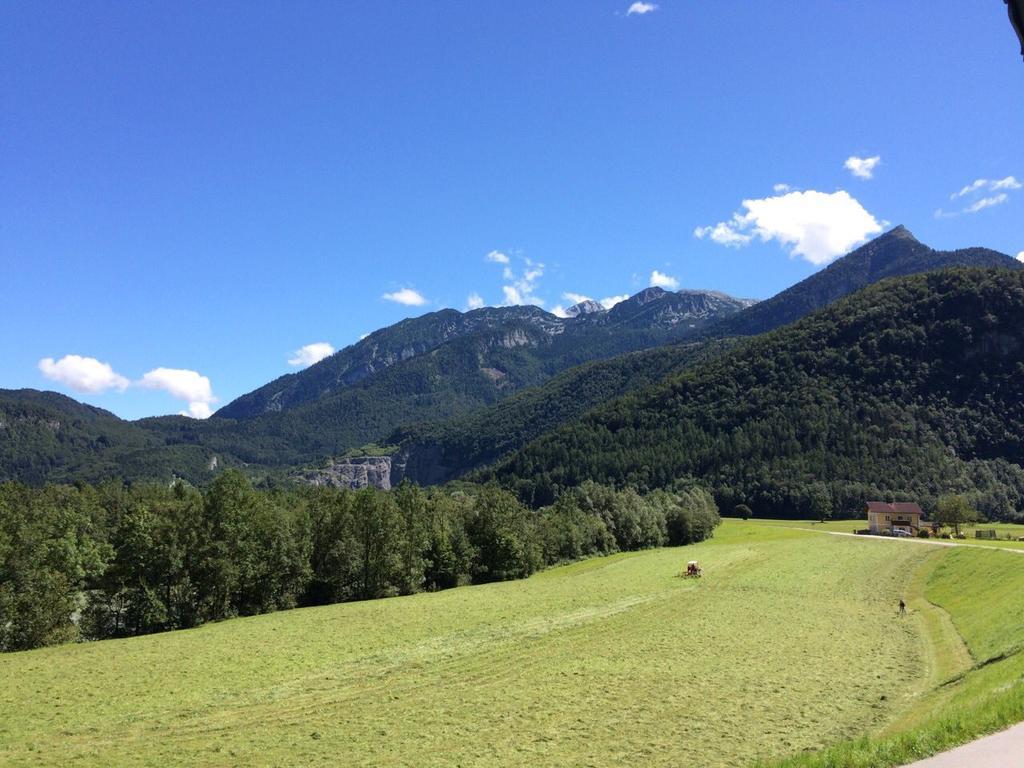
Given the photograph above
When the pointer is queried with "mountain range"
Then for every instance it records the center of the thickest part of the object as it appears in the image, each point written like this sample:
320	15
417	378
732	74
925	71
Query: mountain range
446	392
913	386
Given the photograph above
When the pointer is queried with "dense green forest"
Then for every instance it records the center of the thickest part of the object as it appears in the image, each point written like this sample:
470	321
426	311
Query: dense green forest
911	388
91	562
436	452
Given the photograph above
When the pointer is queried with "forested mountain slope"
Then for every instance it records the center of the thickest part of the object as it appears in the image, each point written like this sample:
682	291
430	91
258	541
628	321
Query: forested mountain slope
913	387
436	452
442	450
892	254
47	437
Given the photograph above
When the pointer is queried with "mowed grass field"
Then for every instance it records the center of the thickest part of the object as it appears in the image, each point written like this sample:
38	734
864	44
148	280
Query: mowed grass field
789	644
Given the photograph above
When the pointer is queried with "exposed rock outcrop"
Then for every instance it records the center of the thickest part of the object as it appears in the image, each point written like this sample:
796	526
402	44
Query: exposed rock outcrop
355	472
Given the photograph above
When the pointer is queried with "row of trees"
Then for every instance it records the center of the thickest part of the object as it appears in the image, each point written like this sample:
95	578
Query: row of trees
111	561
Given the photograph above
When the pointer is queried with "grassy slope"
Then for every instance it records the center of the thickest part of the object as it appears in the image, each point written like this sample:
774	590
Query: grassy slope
980	685
606	662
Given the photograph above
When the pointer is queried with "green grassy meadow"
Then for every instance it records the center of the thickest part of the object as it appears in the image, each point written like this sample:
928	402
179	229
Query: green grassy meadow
790	644
1008	533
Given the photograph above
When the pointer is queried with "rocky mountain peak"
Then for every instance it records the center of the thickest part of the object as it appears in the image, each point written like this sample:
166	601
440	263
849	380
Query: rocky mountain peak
900	232
646	296
587	307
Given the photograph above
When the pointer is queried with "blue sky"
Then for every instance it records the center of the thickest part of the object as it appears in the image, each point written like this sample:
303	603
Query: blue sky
191	193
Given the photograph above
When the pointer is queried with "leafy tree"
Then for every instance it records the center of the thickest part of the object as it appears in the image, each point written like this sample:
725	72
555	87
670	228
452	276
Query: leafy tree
819	502
376	528
411	502
502	534
954	510
49	549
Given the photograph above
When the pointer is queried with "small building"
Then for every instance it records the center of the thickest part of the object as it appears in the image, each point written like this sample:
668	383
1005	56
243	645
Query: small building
892	519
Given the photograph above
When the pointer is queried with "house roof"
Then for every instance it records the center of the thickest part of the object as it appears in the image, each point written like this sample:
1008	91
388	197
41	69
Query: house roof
897	508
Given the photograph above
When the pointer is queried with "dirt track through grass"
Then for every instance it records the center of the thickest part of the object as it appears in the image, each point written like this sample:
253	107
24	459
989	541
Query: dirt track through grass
790	642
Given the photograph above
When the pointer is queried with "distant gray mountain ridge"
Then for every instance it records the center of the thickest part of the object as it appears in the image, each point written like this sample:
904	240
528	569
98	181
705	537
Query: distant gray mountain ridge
652	316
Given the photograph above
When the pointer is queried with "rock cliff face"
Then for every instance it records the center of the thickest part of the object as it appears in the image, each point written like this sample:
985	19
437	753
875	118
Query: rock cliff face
424	465
356	472
663	315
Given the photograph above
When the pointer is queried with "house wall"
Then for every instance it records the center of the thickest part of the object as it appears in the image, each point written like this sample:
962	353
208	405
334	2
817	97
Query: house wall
878	524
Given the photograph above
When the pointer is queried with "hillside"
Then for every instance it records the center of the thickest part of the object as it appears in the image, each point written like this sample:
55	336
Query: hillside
892	254
609	661
546	343
47	437
439	451
443	450
911	387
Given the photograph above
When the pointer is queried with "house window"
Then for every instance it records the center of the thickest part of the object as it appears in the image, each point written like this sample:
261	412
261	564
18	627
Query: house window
888	517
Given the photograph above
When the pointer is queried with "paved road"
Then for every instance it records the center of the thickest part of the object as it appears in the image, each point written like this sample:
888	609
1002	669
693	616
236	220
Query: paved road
1000	750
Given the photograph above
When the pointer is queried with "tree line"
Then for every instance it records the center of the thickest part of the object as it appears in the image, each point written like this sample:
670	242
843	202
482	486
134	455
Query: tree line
92	562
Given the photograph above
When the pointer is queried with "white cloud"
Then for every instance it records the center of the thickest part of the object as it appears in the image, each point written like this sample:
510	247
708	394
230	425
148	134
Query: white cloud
664	281
987	185
83	374
818	226
640	8
1008	183
497	257
521	289
723	234
311	353
406	296
986	202
474	301
977	185
862	167
1020	256
185	385
512	295
198	411
780	188
610	301
363	336
978	191
559	311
